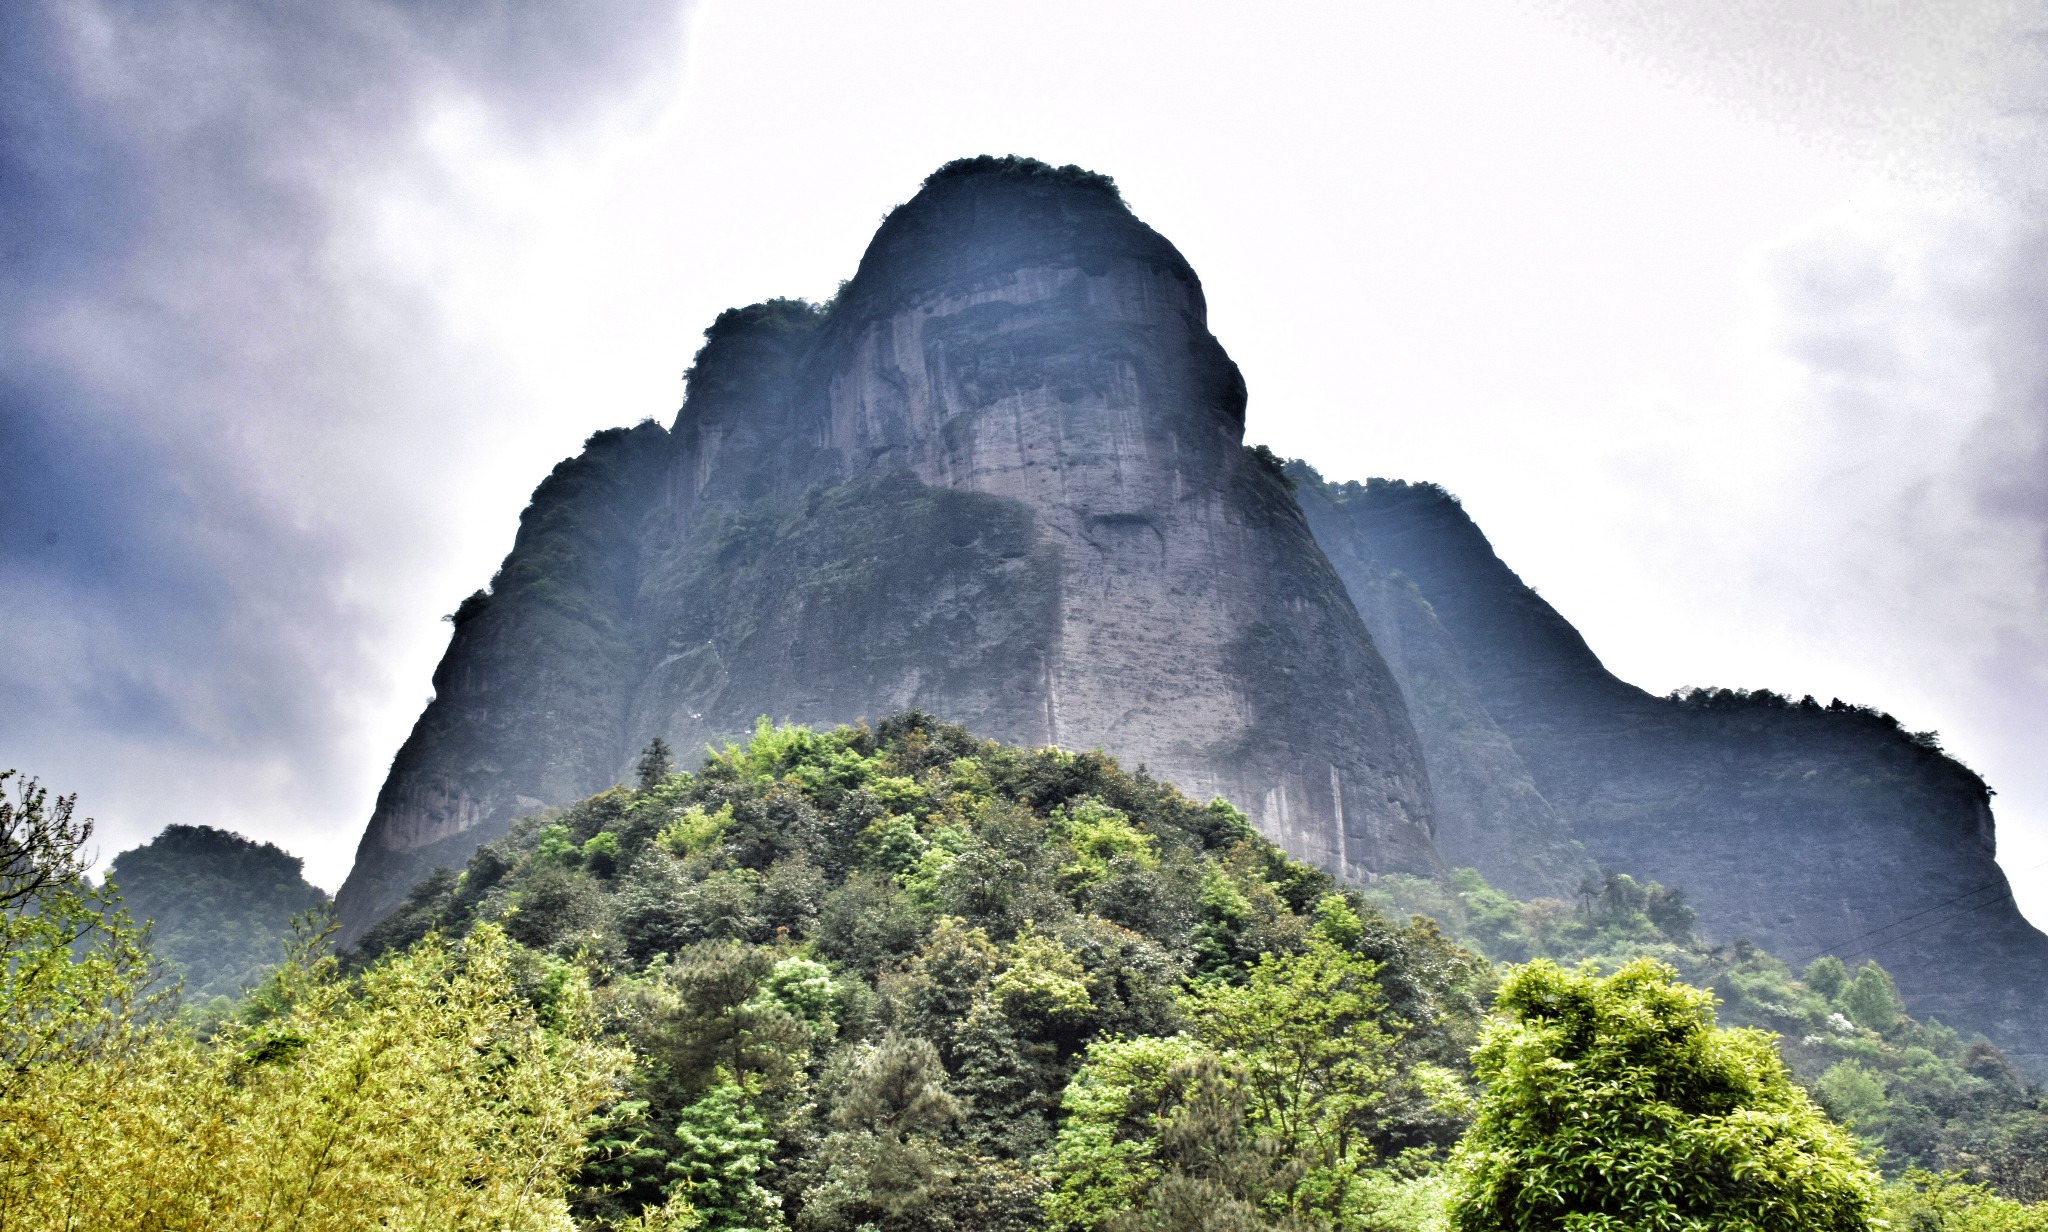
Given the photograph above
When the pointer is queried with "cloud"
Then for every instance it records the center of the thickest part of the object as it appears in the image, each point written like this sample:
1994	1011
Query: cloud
1867	510
224	417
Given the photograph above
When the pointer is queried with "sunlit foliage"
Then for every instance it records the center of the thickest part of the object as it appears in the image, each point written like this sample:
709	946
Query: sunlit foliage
1615	1103
431	1093
897	979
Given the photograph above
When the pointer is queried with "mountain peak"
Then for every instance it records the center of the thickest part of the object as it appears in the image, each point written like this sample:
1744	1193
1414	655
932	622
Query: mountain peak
978	221
1017	170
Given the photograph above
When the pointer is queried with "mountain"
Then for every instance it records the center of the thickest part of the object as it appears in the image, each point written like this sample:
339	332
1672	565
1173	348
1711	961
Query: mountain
220	906
1029	913
1807	829
1001	478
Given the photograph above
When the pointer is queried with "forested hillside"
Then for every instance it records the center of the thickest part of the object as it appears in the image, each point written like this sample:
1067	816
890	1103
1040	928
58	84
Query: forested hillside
1927	1095
219	906
902	977
906	980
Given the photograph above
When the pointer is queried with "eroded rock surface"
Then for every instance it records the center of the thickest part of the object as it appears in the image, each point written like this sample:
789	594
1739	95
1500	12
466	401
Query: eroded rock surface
1002	479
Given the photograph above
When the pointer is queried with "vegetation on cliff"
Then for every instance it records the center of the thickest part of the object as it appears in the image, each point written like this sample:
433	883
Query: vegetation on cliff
1919	1093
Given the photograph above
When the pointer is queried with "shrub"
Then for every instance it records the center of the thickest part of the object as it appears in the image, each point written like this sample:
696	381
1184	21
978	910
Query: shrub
1616	1103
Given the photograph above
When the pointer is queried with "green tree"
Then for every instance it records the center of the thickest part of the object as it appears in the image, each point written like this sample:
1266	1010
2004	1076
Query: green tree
884	1166
1853	1093
1871	1001
1310	1036
655	765
1827	976
1615	1103
723	1149
72	965
1923	1201
430	1095
1107	1155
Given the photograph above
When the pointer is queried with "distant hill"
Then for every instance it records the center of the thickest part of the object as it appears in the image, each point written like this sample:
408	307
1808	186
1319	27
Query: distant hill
220	904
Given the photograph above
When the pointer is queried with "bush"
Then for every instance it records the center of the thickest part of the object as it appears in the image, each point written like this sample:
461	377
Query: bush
1616	1103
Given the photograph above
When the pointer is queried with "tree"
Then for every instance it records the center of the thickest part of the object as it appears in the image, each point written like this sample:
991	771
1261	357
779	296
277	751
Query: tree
1616	1103
1108	1155
429	1095
1923	1201
1827	976
72	966
656	763
1310	1035
723	1148
1154	1140
884	1166
1263	1109
1870	1000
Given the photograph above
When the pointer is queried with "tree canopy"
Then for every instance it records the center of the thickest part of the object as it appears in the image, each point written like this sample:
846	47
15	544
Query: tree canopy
1615	1103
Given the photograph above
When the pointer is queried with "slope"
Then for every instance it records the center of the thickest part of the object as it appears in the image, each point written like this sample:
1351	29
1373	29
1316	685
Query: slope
1807	829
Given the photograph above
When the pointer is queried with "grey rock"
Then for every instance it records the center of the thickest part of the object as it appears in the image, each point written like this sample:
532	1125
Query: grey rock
1001	480
1804	828
1490	815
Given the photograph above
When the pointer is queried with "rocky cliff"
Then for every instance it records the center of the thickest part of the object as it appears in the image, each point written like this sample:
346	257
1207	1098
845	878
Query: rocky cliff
1805	828
1001	479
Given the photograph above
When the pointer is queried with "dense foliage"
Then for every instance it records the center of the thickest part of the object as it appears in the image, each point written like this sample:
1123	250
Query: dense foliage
448	1088
1616	1103
218	906
1031	170
902	978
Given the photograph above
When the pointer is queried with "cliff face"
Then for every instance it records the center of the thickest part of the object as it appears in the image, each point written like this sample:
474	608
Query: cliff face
1490	814
1002	479
1806	829
525	710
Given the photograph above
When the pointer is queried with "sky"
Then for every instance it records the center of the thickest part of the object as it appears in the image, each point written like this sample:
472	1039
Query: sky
1728	323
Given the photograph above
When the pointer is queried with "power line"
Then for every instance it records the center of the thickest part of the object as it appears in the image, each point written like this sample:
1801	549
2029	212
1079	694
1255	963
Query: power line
1950	919
1836	946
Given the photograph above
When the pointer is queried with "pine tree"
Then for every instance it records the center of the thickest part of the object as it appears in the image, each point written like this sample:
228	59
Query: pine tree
656	763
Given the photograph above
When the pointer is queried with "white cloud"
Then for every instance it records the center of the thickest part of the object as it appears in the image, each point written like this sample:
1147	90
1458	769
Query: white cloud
1717	318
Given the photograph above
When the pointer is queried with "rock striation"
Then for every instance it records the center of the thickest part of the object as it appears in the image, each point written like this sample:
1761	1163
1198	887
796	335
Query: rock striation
1002	479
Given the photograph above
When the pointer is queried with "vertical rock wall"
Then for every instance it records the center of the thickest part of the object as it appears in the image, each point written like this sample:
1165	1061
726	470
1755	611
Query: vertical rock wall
526	700
1001	479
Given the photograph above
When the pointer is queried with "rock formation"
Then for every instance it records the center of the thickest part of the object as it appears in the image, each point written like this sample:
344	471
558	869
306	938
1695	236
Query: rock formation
1002	479
1806	829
